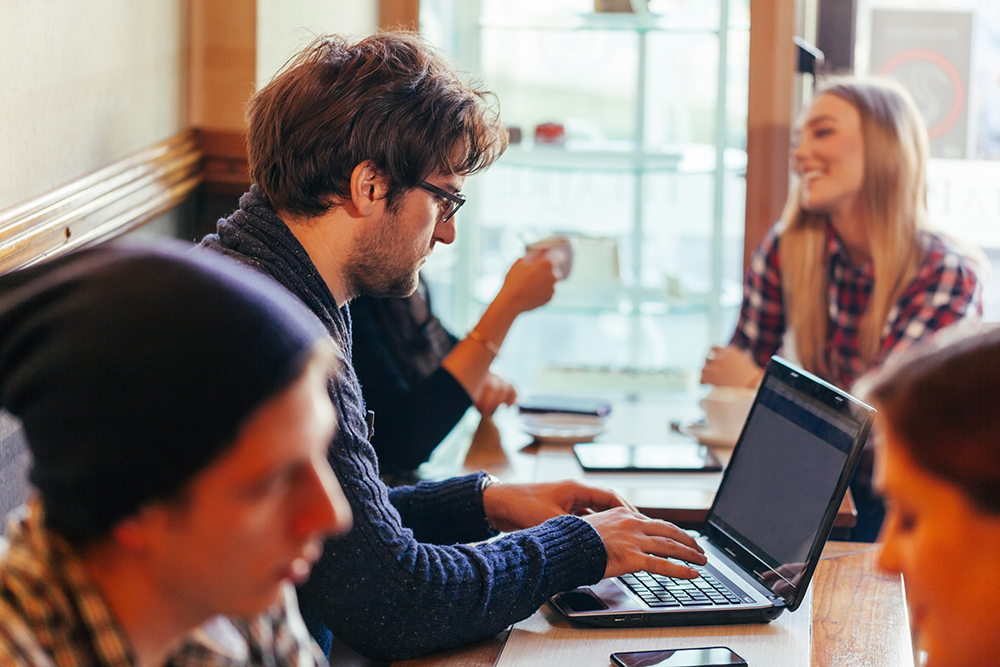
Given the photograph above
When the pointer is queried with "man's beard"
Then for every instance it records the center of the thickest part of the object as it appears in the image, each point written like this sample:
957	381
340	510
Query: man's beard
374	267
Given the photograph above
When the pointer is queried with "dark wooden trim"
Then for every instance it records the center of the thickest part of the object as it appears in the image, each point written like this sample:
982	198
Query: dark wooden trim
102	204
225	161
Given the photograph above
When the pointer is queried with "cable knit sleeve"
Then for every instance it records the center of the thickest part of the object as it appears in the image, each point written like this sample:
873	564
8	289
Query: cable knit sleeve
422	508
390	596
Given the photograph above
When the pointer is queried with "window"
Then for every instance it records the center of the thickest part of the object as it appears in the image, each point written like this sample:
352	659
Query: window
632	135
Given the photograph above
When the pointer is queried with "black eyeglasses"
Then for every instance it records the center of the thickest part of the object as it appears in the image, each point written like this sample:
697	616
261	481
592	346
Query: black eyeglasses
453	200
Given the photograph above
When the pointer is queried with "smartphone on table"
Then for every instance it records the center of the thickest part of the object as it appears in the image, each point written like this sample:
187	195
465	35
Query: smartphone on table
713	656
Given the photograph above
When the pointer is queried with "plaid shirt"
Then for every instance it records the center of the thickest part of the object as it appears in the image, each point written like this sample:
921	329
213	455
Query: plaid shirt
945	290
53	615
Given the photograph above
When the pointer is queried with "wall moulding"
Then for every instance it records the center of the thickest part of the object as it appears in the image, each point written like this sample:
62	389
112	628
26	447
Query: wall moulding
102	204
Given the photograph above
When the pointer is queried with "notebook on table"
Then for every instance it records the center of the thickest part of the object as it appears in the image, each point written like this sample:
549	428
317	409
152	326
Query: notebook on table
770	519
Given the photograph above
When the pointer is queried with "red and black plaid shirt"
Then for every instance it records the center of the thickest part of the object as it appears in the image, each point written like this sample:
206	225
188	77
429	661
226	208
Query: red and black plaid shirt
945	290
52	613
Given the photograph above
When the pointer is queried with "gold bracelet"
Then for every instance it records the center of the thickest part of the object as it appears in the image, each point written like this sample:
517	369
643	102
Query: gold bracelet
493	348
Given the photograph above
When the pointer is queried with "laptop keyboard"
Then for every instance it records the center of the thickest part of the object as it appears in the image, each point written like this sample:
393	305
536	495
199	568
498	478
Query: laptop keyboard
657	590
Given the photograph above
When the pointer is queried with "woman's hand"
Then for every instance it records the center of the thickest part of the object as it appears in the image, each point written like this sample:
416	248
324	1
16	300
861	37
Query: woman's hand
731	367
492	393
530	283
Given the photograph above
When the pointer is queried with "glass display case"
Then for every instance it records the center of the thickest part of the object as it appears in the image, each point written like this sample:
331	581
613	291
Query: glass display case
628	134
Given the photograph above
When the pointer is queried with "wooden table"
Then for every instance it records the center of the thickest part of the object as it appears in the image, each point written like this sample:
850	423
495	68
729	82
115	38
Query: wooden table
859	617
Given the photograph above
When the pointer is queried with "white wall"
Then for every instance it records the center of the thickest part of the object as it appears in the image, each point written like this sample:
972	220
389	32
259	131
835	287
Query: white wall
285	26
83	84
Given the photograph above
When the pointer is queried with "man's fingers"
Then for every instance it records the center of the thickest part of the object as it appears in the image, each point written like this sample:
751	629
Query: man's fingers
671	532
655	565
599	500
664	547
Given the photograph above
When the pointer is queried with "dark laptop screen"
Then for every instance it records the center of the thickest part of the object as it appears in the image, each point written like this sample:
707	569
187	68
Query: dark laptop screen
781	480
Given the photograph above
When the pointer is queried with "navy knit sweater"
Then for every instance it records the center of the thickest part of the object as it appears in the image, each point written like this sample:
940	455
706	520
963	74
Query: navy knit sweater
406	580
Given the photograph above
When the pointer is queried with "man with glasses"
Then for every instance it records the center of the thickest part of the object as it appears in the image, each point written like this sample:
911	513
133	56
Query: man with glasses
358	153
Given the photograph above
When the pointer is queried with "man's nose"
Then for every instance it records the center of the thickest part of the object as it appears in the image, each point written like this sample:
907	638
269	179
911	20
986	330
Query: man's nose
326	509
445	232
888	557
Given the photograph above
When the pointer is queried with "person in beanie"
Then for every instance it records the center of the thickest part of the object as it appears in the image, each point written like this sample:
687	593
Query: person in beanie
358	152
175	407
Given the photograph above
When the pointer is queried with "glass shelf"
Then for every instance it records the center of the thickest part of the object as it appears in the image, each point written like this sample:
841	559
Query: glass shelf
602	297
621	156
608	21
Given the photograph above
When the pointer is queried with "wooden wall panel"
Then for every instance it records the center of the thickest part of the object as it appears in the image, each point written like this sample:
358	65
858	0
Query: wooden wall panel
223	62
398	14
769	120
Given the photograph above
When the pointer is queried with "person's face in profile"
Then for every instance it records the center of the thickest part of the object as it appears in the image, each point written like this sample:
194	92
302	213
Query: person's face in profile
257	516
829	157
948	552
386	259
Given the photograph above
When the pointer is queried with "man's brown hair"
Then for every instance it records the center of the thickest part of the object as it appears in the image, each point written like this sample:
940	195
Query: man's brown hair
942	401
390	99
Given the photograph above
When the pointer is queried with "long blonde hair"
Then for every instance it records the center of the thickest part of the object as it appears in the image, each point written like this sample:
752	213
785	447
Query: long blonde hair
894	201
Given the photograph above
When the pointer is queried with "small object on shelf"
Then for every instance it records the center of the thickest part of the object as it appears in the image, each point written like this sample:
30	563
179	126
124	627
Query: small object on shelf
553	134
513	134
596	258
613	6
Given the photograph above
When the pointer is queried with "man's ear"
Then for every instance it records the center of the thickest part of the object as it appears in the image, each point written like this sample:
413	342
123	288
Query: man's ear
368	188
140	531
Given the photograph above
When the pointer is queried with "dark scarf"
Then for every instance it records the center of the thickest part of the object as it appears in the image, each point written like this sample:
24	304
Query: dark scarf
254	235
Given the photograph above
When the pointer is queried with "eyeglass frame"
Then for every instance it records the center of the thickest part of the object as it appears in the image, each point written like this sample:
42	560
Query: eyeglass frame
455	199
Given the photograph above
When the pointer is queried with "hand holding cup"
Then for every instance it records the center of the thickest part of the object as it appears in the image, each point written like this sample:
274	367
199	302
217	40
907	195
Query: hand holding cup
531	281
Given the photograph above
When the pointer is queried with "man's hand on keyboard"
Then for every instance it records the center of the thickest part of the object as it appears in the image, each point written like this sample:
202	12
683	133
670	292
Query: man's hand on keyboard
516	506
636	542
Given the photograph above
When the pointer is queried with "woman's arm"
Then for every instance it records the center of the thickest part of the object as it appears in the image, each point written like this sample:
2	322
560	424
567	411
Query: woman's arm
530	283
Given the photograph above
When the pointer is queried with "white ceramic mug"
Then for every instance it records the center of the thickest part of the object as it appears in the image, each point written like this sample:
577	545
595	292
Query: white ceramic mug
560	251
726	409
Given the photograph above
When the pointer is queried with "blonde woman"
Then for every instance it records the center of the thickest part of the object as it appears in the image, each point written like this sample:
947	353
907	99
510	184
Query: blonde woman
851	273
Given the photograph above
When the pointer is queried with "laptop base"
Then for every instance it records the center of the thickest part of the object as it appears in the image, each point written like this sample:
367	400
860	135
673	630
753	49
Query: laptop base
568	603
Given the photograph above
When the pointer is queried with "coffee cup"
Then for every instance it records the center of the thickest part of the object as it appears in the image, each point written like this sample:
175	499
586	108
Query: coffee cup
559	249
726	409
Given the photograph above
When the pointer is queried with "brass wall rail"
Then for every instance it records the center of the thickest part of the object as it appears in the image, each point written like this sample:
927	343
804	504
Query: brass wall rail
105	203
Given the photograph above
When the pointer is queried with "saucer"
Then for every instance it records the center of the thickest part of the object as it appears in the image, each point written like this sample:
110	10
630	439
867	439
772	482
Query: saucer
562	427
704	435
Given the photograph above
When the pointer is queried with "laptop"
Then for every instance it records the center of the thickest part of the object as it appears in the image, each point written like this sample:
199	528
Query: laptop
770	519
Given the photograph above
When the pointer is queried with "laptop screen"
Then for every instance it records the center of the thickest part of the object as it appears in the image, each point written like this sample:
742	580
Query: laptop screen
783	477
